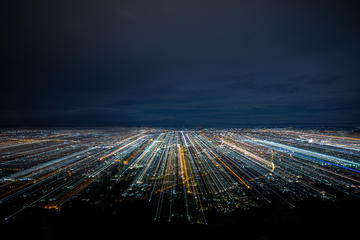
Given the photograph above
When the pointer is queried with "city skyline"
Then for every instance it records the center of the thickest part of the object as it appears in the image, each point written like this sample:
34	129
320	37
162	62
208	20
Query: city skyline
191	119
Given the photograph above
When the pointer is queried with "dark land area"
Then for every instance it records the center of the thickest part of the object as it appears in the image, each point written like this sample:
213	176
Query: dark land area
312	219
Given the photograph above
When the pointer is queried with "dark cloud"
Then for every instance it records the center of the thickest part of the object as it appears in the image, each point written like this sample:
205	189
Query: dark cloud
179	63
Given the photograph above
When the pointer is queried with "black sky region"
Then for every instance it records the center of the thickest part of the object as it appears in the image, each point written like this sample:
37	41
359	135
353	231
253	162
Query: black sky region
179	63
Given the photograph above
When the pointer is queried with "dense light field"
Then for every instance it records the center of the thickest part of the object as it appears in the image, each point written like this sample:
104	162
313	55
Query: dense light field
181	174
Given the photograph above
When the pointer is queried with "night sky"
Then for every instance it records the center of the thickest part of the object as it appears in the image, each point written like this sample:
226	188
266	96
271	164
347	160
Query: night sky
179	63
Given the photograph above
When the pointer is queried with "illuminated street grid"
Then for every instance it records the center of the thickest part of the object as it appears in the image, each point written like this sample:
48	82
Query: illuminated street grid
183	174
